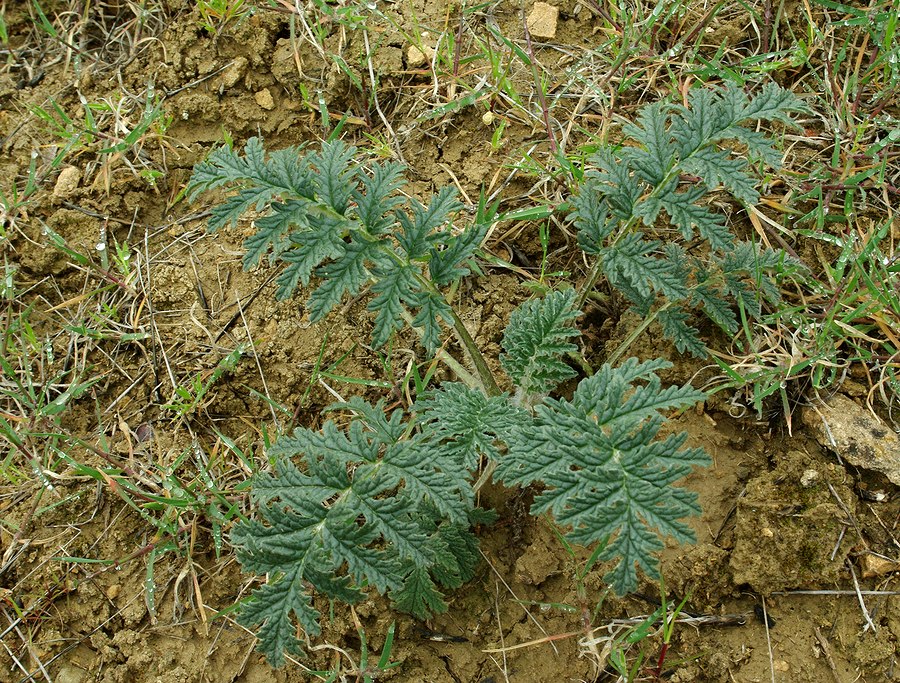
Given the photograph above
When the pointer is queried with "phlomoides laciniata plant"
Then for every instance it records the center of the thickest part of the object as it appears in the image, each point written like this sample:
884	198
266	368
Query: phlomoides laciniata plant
388	500
675	160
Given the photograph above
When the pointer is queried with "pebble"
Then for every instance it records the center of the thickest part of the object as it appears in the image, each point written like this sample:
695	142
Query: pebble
541	21
67	183
264	99
809	478
234	73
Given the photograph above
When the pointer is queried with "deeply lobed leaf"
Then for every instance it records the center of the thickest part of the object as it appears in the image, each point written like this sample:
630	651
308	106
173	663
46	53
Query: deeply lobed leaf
366	507
675	160
605	473
536	339
324	217
464	425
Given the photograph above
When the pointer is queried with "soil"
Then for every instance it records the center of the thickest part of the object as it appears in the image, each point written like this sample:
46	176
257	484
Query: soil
781	514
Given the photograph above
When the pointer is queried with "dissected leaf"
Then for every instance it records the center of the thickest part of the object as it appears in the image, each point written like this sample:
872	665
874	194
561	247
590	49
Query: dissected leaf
604	472
346	508
661	177
536	339
322	216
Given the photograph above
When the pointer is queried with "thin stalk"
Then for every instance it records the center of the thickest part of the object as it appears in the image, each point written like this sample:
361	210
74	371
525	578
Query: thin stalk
551	138
485	380
635	333
491	387
447	359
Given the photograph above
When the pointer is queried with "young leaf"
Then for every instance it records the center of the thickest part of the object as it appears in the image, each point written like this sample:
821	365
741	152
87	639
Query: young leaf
677	158
606	475
344	275
378	199
536	339
309	249
334	180
419	230
449	264
394	286
685	336
464	425
634	259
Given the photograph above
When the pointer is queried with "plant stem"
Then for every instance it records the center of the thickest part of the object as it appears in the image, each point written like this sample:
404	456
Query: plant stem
635	333
485	380
484	372
447	359
588	285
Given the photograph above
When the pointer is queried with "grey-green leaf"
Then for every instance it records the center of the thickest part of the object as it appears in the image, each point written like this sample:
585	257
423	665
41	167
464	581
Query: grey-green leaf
536	340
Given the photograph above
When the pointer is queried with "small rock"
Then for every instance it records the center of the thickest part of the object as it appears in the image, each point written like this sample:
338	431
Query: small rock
70	674
86	80
541	22
415	57
854	389
538	563
844	427
234	73
809	478
67	182
421	53
874	566
264	99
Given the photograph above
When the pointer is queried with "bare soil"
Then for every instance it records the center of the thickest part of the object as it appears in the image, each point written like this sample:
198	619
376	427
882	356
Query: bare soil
769	527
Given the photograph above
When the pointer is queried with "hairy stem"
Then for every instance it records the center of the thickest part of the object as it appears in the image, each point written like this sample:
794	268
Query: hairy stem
635	333
491	387
485	380
447	359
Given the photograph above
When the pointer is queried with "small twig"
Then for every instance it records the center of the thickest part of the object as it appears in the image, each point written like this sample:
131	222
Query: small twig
503	648
837	592
146	287
850	517
237	316
862	603
768	639
518	600
381	115
551	138
457	49
826	650
837	544
262	375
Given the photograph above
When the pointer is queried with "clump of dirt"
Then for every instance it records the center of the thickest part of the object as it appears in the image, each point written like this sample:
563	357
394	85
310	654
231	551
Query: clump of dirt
789	524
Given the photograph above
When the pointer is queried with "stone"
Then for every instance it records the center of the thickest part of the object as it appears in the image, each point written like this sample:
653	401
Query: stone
67	183
541	22
421	53
845	428
264	99
874	566
809	478
71	674
415	57
235	73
